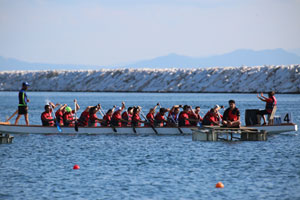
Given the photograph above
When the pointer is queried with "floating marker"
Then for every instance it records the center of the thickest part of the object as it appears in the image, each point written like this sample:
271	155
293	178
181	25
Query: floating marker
76	167
219	185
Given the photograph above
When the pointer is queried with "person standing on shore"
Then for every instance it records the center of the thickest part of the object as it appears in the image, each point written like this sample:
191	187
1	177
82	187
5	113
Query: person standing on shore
22	107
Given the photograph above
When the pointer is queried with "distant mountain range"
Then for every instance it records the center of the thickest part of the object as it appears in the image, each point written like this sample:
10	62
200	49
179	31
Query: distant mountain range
236	58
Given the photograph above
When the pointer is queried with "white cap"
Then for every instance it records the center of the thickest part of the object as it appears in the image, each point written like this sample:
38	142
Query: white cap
216	106
118	108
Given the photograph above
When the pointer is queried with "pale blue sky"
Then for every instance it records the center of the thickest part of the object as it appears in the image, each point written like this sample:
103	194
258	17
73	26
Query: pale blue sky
105	32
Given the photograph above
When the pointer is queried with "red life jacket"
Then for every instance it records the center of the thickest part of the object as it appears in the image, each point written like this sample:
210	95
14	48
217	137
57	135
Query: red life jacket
271	102
107	119
60	117
183	119
116	119
211	117
150	118
46	116
68	117
195	117
128	117
84	118
93	120
136	120
159	119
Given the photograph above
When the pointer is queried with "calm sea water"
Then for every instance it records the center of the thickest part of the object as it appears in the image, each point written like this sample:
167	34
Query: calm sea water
152	167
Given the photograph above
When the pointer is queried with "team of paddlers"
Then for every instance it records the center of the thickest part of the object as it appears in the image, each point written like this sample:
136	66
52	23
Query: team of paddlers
122	117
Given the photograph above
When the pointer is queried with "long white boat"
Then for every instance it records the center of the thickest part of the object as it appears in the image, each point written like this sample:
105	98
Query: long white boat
37	129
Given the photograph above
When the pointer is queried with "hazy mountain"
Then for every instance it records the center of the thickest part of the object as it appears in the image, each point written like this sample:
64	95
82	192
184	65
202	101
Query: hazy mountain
235	58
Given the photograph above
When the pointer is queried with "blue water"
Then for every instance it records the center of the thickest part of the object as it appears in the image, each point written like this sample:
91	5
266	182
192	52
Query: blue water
152	167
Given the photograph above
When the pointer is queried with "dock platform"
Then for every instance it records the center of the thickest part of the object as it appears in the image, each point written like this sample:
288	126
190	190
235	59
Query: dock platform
217	133
6	138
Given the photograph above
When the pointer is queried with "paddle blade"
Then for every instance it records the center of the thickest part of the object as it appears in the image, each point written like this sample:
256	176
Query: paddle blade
58	127
76	126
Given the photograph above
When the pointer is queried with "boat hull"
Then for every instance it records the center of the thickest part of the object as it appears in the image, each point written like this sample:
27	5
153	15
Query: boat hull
35	129
20	129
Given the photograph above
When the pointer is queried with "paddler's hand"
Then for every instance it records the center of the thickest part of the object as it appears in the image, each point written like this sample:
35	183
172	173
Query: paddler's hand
261	94
75	100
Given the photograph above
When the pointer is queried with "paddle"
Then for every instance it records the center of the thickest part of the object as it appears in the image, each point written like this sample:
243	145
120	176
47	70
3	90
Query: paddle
12	116
113	128
76	122
143	115
56	122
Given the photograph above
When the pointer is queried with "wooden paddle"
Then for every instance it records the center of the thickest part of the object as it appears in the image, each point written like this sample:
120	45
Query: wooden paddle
12	116
76	122
56	122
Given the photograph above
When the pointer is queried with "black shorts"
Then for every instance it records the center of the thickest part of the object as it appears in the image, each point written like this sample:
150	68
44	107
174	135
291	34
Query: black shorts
22	110
263	112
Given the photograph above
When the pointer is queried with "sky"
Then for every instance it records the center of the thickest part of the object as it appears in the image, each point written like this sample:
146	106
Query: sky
107	32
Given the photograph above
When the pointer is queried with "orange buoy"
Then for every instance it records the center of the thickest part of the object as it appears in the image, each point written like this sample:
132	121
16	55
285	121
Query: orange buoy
219	185
76	167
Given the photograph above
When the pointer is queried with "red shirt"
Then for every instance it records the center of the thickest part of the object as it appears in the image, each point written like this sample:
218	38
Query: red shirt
46	116
232	117
270	103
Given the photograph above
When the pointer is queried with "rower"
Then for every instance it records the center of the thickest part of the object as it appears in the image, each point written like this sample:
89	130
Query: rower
213	117
136	119
194	116
173	115
59	114
150	116
231	116
93	119
271	102
116	119
160	117
68	117
46	117
127	116
184	118
107	117
22	107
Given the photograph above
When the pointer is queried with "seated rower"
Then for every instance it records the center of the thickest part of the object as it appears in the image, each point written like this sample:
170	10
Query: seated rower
160	117
150	117
93	119
46	117
69	119
127	116
84	117
116	119
271	102
59	114
173	115
136	119
184	118
195	117
213	117
231	117
107	117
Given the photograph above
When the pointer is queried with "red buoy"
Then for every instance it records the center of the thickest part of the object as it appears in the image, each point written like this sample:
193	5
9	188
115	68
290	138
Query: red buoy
219	185
76	167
